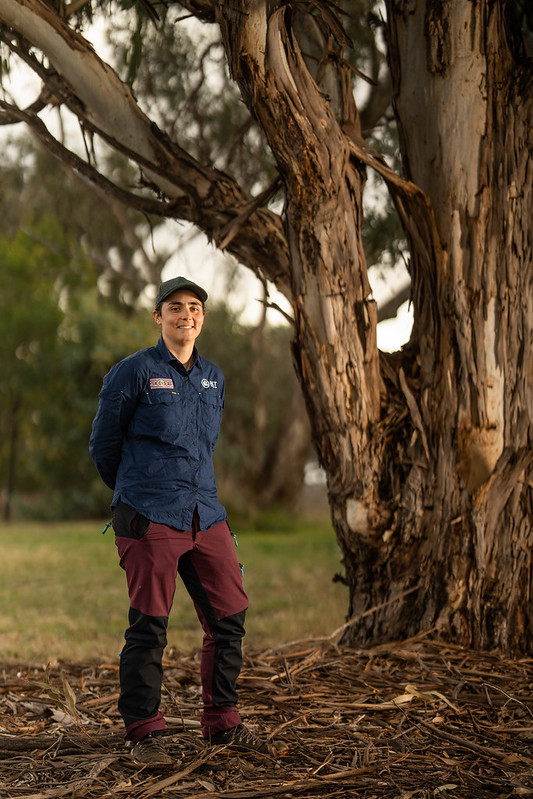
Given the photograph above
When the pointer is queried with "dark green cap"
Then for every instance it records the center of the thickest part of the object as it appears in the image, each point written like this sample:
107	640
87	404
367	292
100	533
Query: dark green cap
175	284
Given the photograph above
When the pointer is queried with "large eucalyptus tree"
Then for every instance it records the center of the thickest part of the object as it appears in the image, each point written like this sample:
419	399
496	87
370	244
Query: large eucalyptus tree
428	450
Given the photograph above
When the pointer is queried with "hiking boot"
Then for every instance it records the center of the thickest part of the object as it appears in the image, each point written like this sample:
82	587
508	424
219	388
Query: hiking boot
240	739
150	751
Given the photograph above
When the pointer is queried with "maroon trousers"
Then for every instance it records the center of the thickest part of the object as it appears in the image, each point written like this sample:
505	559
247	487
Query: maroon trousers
207	563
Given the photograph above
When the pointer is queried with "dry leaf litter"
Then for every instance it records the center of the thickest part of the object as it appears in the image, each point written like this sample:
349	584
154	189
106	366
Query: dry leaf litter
419	718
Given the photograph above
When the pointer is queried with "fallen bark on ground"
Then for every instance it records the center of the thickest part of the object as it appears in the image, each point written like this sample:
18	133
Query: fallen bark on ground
419	719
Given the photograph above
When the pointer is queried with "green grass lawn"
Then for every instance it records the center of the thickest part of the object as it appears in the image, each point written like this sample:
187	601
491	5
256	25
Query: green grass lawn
63	595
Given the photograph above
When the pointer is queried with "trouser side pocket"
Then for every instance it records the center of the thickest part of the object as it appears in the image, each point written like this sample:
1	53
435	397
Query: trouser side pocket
128	523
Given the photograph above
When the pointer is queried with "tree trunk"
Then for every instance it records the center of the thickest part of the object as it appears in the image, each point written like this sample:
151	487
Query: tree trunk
281	478
464	107
335	348
429	482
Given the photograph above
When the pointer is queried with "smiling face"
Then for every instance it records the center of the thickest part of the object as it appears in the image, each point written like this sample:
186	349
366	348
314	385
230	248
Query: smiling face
181	318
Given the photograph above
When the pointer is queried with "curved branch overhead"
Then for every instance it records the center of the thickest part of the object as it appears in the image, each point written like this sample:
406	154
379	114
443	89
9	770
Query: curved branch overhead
90	88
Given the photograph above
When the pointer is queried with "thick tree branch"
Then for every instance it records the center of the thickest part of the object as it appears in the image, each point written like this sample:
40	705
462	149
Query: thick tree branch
84	169
104	104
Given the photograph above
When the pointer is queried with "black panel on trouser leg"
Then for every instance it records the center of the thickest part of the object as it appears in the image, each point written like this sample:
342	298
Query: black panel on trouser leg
227	635
196	591
141	672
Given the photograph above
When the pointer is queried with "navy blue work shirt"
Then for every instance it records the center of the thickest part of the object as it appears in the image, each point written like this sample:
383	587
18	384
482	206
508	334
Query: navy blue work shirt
154	434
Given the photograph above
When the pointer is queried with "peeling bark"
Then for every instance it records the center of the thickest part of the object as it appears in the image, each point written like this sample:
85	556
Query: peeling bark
473	544
422	476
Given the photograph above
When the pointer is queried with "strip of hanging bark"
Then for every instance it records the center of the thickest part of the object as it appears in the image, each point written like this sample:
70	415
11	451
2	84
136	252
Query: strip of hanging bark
416	416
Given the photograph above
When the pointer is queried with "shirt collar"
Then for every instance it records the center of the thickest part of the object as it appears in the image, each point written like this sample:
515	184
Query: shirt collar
168	357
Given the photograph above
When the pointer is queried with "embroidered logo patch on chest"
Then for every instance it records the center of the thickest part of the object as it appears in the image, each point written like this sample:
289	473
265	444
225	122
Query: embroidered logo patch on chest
161	382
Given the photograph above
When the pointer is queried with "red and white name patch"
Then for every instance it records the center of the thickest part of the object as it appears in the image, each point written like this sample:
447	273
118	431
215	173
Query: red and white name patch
161	382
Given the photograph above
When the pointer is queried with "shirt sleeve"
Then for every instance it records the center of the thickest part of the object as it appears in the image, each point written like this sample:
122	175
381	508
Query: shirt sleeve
116	406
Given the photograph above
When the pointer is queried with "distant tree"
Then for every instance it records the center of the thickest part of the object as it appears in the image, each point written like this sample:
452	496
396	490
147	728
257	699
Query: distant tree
57	339
93	335
427	451
91	226
29	321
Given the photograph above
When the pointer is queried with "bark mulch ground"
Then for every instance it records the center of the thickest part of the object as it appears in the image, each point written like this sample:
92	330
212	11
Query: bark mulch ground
414	719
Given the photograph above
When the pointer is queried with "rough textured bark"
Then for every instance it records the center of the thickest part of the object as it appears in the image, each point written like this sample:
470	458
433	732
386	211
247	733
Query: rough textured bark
469	520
